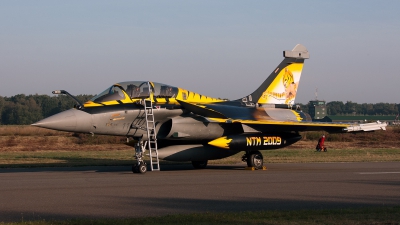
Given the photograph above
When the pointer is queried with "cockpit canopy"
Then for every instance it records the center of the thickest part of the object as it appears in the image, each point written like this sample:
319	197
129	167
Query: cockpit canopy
136	89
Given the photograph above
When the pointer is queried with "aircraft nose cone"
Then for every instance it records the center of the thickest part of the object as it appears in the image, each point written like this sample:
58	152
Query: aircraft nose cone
65	121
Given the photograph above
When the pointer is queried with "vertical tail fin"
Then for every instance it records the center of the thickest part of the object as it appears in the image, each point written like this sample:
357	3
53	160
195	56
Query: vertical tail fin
281	85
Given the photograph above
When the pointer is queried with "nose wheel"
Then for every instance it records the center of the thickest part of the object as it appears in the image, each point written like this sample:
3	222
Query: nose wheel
140	168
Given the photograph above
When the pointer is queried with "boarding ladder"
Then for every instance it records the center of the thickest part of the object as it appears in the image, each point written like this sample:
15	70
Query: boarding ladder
151	135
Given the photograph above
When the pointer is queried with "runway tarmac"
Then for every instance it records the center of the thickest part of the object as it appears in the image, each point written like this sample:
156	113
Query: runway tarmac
115	192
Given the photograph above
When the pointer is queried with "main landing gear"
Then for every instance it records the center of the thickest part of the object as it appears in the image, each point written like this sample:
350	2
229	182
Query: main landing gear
253	159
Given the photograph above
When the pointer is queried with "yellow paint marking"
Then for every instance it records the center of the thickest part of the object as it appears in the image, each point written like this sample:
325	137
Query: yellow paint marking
221	142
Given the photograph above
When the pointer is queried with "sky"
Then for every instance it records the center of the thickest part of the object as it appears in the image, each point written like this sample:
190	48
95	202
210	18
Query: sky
222	49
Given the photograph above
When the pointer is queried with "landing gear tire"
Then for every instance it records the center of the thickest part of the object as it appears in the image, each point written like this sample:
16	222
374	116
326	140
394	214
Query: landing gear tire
135	168
199	164
255	159
141	168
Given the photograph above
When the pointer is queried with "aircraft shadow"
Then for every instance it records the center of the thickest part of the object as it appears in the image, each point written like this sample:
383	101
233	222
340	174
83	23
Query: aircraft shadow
112	166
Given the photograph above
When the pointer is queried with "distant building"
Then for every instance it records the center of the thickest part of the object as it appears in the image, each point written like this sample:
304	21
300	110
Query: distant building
317	109
318	112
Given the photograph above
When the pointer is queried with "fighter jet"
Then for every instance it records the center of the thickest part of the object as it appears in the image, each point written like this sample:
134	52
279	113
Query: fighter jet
171	123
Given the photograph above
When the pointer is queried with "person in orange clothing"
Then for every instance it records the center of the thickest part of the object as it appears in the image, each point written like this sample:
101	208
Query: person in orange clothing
320	146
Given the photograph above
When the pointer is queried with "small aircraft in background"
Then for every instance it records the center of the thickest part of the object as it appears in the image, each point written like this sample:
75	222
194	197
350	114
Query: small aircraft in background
175	124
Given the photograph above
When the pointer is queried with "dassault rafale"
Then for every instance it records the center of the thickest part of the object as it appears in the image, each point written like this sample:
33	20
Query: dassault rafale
174	124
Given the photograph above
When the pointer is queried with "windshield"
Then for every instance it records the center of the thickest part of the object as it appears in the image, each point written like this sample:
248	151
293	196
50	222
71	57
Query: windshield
112	93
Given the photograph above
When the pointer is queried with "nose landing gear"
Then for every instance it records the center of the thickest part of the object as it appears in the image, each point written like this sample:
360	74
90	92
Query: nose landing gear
140	166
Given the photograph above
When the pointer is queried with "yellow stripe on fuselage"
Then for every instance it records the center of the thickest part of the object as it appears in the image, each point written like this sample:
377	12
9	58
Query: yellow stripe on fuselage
192	97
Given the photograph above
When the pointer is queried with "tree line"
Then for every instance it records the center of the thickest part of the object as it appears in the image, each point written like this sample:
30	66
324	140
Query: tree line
352	108
27	109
